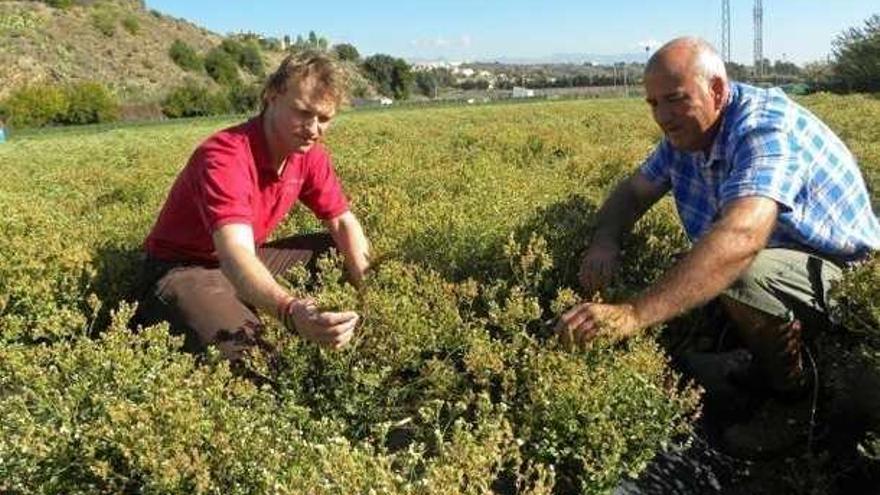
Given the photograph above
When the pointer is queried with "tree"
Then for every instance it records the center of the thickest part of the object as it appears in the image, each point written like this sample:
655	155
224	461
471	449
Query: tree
222	67
392	76
347	52
251	60
192	100
819	75
736	71
427	83
184	56
857	54
89	103
34	106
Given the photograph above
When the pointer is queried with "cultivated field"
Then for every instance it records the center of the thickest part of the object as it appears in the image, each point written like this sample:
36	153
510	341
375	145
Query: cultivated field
454	385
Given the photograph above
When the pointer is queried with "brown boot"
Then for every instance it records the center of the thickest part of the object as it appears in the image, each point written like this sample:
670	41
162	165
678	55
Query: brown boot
777	428
784	420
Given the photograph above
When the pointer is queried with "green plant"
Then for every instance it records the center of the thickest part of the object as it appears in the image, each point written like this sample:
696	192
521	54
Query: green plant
35	106
192	100
244	98
453	383
89	103
184	56
131	24
221	66
104	20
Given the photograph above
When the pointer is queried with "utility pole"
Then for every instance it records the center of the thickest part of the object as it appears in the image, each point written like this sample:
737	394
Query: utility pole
725	30
759	38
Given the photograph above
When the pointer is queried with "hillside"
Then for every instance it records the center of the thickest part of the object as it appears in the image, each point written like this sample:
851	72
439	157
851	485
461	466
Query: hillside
120	44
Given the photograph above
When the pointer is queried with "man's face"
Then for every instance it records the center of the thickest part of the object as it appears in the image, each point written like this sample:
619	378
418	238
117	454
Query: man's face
685	106
298	118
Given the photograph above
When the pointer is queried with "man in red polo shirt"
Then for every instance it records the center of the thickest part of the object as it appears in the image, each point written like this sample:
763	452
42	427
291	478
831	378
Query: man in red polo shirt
208	268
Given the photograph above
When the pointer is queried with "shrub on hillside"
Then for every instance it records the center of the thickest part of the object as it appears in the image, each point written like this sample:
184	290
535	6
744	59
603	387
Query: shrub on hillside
244	98
192	100
89	103
58	4
246	54
222	67
131	24
35	106
104	20
184	56
78	103
251	60
232	47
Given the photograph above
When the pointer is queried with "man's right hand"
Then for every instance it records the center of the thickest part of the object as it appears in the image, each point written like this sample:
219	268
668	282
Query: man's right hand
328	329
598	266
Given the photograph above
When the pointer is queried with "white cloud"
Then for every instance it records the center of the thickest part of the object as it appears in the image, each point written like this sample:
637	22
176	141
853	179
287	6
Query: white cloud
463	41
649	44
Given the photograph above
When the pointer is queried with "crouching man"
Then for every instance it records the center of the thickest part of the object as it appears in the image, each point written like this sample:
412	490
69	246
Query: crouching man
773	202
208	267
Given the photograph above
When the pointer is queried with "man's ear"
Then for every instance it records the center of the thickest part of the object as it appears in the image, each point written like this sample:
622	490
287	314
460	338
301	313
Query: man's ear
718	87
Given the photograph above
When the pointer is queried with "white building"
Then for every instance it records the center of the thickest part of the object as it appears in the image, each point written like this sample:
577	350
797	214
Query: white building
520	92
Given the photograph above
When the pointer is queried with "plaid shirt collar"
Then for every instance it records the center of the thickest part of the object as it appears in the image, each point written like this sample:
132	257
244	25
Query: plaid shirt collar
719	145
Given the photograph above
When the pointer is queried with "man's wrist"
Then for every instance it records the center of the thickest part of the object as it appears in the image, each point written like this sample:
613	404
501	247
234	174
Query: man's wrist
284	312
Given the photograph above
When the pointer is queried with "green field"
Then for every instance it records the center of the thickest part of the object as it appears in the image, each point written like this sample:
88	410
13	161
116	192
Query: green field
454	385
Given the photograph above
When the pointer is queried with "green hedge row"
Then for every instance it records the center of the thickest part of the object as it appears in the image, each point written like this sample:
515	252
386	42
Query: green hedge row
193	100
48	104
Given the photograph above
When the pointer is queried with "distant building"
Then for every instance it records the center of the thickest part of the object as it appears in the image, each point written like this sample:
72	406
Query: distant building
385	101
520	92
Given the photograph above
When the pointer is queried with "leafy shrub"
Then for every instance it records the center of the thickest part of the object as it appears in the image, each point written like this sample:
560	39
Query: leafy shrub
233	47
251	60
89	103
858	296
222	67
346	52
35	105
104	20
58	4
856	52
192	100
244	98
79	103
245	54
184	56
453	383
131	24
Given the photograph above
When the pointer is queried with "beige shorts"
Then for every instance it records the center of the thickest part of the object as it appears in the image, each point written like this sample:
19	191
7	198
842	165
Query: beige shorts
788	284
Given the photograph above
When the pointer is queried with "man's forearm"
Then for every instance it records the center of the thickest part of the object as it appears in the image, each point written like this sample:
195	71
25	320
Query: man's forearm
253	282
348	235
618	214
714	263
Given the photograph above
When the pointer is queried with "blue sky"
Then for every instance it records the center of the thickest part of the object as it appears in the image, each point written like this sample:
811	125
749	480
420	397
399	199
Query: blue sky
798	31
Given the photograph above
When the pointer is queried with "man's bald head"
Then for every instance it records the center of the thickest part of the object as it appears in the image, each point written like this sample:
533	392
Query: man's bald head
686	86
687	57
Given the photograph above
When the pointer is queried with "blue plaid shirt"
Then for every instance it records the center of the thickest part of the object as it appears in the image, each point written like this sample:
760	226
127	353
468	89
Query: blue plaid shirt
771	147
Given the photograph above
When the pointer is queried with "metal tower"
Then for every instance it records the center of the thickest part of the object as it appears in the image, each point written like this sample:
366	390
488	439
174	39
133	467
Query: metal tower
725	30
759	38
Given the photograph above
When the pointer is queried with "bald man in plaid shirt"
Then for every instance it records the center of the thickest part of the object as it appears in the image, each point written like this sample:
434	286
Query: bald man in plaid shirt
771	199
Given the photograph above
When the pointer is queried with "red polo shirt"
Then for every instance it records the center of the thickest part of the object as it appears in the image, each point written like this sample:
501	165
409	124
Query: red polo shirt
229	179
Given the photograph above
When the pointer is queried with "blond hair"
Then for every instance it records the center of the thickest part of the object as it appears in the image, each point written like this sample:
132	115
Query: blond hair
324	73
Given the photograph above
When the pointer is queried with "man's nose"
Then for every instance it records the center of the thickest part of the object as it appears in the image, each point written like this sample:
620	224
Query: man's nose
312	126
662	114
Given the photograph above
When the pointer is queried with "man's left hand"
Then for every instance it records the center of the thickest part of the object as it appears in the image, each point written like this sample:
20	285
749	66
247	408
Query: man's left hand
586	321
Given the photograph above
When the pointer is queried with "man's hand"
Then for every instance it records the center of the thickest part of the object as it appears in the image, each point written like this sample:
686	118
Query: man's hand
598	266
586	321
332	330
348	235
